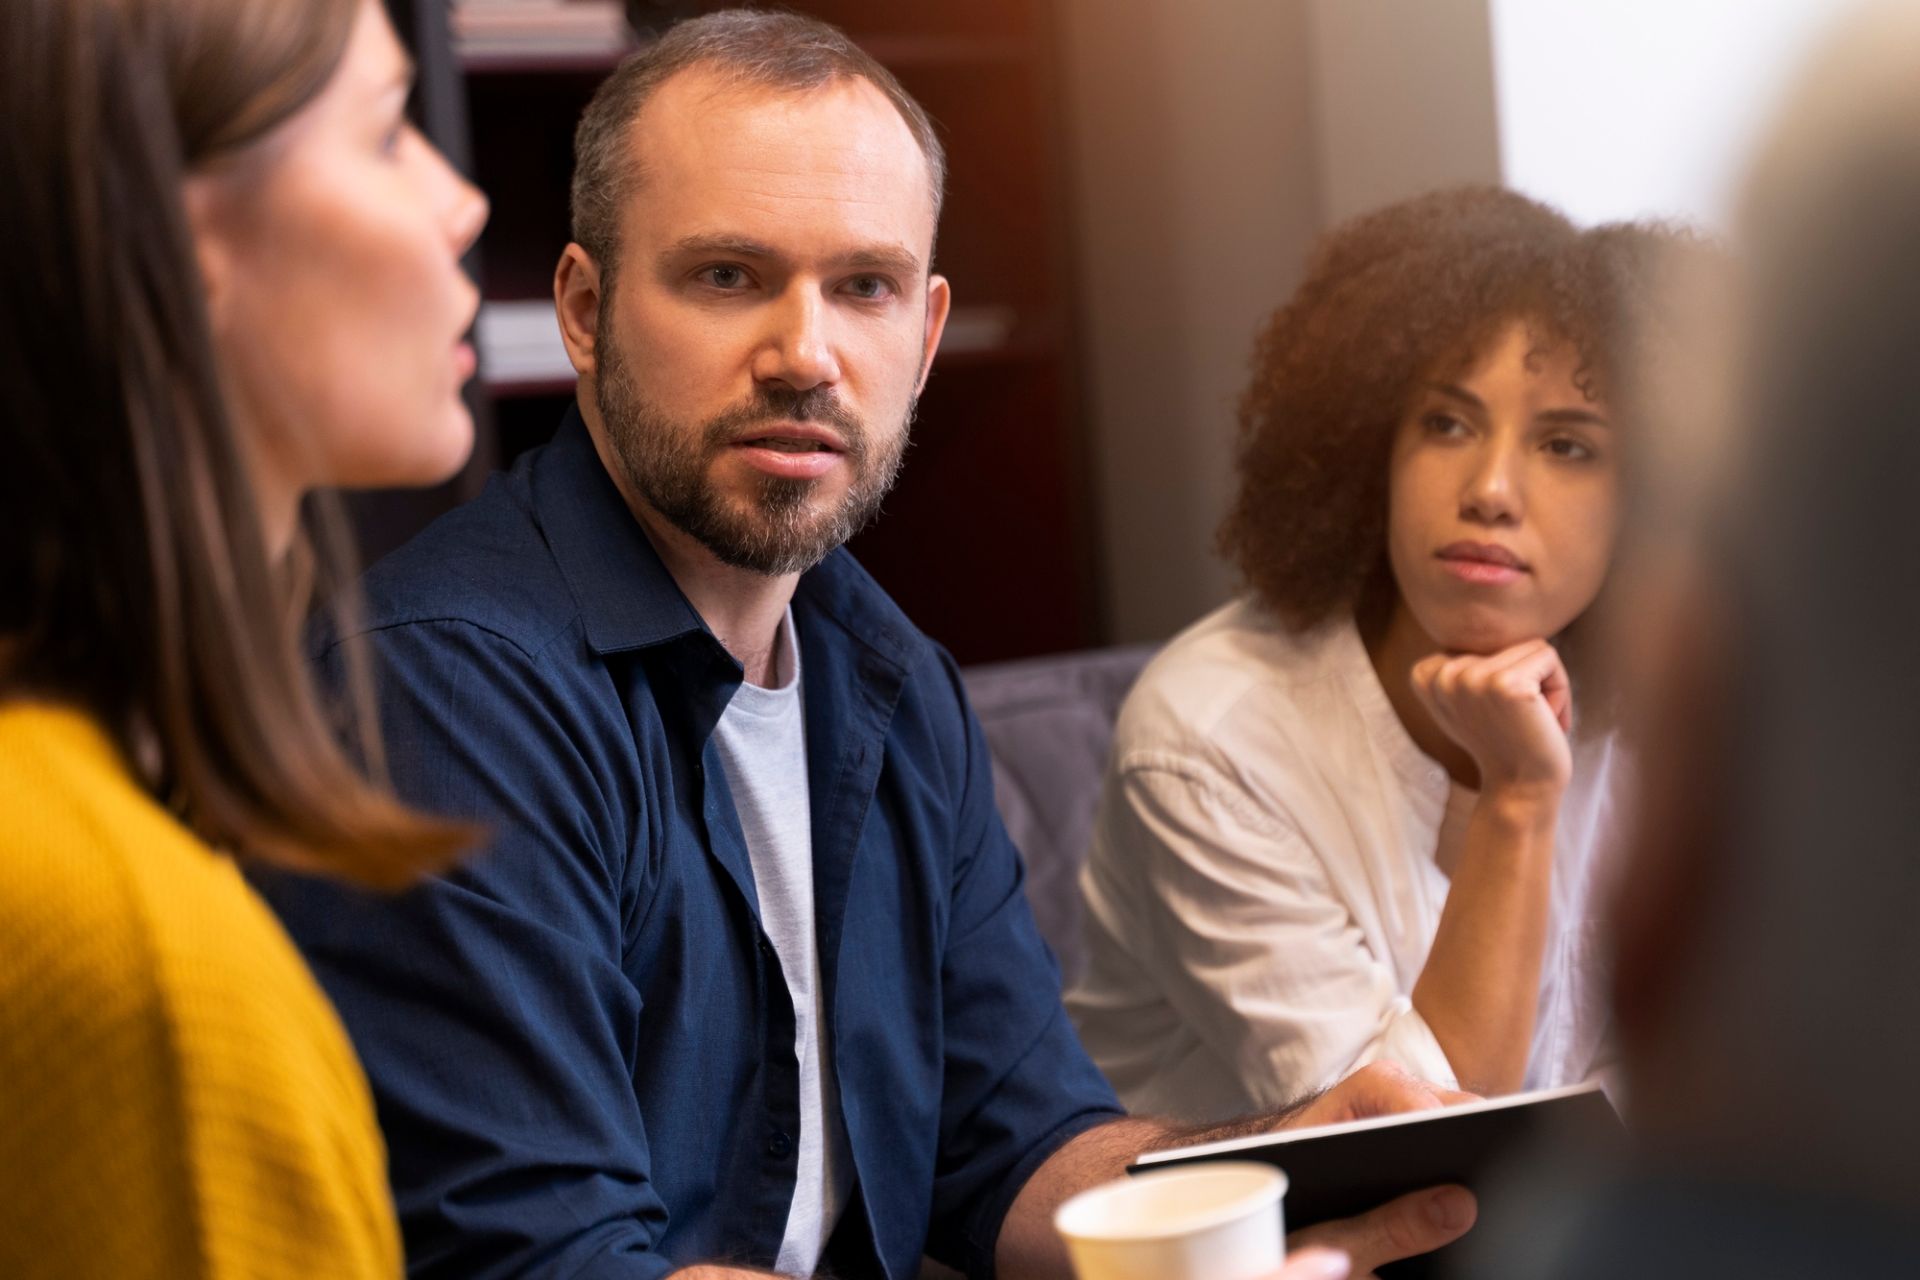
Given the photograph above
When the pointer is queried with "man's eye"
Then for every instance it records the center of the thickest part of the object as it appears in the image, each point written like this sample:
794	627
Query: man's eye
1570	449
870	288
723	276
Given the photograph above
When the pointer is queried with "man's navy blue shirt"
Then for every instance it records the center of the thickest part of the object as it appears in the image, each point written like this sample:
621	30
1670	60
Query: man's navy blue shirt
579	1043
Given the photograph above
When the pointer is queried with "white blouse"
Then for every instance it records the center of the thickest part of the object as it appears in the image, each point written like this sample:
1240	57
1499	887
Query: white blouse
1262	890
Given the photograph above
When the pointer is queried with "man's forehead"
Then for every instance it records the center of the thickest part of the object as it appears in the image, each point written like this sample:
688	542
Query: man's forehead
705	140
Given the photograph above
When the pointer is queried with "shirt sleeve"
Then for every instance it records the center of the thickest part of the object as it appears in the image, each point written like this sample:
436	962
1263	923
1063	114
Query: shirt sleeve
1016	1084
489	1006
1251	944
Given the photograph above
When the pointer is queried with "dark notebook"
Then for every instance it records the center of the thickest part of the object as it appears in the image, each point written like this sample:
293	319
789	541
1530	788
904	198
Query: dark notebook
1337	1171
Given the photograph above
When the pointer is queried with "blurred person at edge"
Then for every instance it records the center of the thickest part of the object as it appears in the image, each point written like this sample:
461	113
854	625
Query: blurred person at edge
745	976
1768	951
230	277
1359	813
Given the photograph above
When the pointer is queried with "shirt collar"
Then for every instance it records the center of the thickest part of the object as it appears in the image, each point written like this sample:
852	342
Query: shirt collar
626	597
1419	772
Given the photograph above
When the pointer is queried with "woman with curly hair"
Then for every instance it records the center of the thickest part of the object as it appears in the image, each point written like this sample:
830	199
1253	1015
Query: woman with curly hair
1353	814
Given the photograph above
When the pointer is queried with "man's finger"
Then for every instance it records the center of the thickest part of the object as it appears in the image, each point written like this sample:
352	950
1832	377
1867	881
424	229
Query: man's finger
1377	1089
1413	1224
1315	1264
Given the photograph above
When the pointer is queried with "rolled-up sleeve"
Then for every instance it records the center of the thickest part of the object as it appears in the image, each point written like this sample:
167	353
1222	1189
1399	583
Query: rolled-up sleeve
1249	940
1016	1083
490	1006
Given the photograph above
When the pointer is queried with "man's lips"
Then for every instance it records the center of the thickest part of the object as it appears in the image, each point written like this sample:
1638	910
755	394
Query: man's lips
790	437
790	450
1482	562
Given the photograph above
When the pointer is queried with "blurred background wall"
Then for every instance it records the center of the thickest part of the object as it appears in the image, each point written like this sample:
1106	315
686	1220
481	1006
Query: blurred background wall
1637	108
1196	190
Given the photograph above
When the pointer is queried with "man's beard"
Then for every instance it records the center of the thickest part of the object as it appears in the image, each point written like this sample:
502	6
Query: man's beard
777	528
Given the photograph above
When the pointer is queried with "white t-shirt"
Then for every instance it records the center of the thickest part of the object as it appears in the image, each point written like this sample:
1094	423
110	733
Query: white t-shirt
761	739
1262	889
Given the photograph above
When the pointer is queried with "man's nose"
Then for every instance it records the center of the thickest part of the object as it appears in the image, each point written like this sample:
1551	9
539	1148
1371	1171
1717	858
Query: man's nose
799	350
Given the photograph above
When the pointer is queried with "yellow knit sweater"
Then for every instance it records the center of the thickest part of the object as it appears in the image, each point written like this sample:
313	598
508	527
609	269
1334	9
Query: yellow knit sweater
177	1097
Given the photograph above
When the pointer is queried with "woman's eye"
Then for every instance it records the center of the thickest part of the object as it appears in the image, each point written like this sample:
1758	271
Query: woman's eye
1570	449
1445	426
723	276
391	139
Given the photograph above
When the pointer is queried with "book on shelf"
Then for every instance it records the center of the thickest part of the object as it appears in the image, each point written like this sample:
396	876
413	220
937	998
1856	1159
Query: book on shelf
520	342
530	27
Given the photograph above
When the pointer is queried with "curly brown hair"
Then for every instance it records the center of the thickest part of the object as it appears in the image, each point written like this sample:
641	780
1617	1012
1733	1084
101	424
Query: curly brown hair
1413	291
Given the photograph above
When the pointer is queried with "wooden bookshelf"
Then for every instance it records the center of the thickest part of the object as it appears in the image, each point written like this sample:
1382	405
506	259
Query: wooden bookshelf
508	63
986	542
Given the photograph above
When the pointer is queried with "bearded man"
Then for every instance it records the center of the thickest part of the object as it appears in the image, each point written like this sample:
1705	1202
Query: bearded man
743	974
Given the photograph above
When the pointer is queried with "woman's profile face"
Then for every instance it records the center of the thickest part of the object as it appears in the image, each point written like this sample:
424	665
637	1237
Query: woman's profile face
1503	499
331	254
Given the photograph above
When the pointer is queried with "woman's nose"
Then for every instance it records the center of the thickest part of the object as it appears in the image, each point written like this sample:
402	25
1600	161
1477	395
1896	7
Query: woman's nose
1493	491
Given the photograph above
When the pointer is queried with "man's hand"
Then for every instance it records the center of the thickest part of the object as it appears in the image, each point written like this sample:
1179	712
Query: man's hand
1314	1264
1029	1248
1416	1223
1377	1089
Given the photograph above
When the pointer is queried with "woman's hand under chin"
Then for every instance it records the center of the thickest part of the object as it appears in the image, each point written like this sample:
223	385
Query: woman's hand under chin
1511	711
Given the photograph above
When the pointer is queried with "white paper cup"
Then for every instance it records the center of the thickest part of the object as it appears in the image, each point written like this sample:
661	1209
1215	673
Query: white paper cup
1215	1221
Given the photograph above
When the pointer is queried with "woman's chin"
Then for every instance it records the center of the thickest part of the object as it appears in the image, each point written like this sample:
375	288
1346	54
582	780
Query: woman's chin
1484	636
430	459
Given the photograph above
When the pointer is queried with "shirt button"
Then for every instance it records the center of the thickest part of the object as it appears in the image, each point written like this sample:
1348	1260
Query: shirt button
779	1144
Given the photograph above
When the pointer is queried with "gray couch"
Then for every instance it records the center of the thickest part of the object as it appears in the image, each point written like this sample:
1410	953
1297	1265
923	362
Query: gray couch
1049	725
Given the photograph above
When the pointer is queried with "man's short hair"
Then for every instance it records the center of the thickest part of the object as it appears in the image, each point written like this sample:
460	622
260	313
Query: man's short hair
780	51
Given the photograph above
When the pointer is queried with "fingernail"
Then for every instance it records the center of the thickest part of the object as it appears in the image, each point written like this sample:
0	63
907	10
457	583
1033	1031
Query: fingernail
1449	1210
1319	1264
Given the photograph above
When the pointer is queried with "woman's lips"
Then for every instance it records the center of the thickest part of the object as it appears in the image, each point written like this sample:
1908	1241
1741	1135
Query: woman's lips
1482	563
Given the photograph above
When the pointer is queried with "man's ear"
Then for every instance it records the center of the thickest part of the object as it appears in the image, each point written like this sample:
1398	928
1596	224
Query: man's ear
576	302
939	304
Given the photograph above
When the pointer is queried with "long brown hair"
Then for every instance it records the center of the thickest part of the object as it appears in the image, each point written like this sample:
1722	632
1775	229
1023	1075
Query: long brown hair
134	576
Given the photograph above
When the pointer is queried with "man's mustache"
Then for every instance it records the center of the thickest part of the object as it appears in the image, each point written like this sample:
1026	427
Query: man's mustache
783	404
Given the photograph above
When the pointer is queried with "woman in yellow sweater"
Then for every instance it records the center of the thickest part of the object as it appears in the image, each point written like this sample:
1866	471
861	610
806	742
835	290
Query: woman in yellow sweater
230	278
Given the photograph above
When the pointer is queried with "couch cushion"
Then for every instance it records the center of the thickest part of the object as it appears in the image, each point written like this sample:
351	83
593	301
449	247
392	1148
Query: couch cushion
1049	724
